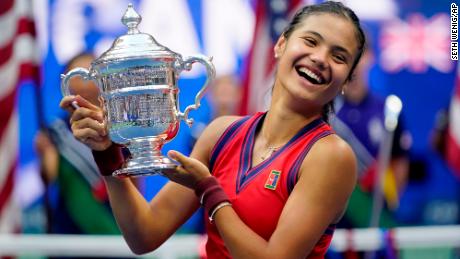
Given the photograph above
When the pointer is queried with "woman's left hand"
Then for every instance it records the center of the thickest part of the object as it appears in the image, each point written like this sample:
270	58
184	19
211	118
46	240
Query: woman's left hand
189	172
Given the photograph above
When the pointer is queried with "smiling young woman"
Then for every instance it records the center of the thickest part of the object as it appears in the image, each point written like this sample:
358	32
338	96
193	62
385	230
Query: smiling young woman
317	56
273	184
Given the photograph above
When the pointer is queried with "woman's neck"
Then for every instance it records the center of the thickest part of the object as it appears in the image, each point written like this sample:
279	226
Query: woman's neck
281	124
286	116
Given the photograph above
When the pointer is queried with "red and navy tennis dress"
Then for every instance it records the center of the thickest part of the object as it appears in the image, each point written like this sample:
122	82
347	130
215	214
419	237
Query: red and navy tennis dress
258	193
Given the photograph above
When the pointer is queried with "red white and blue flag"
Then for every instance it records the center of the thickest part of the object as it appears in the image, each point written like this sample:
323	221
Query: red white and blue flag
271	19
416	44
17	63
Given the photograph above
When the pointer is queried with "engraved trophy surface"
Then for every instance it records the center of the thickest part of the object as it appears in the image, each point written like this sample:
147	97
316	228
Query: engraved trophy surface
137	78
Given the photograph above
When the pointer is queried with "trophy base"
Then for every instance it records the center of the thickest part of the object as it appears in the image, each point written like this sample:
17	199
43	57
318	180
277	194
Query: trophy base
154	167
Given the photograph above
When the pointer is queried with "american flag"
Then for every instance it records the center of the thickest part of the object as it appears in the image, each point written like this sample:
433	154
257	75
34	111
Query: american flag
271	19
416	44
16	64
453	132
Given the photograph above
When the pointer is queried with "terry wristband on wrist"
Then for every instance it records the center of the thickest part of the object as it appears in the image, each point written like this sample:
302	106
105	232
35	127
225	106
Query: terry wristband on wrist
109	160
211	195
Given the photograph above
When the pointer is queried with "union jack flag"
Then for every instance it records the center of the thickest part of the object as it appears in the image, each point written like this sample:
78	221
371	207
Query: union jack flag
416	44
271	19
18	61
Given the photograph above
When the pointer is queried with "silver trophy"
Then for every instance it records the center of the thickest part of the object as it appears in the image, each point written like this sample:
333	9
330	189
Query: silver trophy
137	78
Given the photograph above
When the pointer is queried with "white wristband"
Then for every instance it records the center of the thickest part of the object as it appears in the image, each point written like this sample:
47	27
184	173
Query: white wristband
220	206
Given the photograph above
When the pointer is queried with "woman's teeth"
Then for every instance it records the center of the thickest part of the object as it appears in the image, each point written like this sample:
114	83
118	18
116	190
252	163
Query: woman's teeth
310	75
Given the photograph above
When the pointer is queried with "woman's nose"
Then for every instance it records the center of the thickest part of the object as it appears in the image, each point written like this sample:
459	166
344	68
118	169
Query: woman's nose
319	57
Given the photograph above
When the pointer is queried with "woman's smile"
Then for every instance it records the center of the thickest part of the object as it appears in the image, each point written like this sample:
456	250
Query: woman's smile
311	75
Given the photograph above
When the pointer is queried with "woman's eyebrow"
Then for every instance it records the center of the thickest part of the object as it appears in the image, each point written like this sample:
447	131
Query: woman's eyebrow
335	47
316	34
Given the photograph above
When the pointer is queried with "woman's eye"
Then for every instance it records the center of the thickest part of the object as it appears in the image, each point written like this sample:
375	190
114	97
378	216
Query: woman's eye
310	42
340	58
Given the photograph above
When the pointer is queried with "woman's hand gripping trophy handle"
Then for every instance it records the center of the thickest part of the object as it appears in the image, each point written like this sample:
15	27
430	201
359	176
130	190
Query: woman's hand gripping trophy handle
87	122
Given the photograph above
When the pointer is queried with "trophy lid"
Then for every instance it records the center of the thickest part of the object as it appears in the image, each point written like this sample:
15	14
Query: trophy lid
134	44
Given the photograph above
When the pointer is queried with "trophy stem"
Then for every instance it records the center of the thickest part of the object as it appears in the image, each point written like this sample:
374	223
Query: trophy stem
146	158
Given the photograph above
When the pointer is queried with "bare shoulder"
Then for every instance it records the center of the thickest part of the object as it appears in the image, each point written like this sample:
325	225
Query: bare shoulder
217	127
332	157
210	136
334	150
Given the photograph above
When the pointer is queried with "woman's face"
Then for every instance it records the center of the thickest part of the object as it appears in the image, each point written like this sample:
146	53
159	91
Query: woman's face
316	59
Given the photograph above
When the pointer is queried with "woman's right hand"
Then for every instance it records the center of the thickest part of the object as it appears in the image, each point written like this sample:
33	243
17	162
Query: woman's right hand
87	122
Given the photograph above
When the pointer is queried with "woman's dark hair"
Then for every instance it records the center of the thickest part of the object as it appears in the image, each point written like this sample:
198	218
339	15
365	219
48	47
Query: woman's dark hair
330	7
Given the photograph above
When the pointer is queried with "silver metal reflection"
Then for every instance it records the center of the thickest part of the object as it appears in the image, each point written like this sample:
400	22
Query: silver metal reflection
137	78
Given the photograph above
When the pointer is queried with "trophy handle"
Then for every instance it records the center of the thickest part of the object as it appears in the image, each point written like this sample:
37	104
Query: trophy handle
65	79
211	73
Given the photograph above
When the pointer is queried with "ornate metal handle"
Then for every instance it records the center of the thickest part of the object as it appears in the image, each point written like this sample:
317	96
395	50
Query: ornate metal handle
211	73
84	73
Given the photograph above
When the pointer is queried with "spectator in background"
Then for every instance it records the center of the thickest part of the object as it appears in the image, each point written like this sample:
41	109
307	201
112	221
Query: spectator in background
225	96
440	131
76	194
360	121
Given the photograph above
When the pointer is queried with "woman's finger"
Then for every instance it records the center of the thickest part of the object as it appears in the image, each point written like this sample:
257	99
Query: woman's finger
82	102
86	133
176	155
189	164
66	103
87	122
84	112
185	161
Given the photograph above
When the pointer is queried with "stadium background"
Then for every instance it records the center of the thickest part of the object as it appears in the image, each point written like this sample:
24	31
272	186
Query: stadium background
410	37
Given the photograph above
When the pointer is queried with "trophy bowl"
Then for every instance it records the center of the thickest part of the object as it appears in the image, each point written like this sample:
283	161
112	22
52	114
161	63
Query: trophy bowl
137	79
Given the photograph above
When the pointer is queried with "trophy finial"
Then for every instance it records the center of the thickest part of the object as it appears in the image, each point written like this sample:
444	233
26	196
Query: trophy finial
131	19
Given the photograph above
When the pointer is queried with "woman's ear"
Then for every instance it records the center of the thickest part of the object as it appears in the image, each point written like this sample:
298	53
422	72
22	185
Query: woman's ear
279	46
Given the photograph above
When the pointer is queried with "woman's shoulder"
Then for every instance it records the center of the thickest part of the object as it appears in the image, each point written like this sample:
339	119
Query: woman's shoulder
328	176
211	135
336	149
334	142
218	126
333	155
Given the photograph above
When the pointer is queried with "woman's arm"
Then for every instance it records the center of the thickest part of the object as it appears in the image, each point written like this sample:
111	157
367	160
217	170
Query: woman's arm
327	178
145	226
